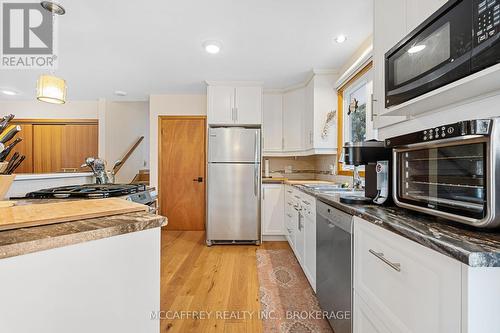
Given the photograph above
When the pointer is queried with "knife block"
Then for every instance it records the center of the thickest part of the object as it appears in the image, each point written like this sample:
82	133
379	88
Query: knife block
5	183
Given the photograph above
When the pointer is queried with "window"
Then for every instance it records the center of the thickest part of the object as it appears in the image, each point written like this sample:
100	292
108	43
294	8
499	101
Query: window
354	121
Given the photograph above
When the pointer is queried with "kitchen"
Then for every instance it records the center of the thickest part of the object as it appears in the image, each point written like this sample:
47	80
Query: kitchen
343	179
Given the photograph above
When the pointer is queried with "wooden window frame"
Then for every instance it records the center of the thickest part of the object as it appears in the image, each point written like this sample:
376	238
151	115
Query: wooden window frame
340	116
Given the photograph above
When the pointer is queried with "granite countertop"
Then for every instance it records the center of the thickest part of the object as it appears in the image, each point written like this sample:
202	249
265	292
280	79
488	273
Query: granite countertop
33	239
472	246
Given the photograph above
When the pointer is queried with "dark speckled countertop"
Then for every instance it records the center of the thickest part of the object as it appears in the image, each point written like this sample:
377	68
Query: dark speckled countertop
474	247
28	240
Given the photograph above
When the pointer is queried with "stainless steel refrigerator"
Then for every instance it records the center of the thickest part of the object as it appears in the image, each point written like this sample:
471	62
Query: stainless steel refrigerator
234	176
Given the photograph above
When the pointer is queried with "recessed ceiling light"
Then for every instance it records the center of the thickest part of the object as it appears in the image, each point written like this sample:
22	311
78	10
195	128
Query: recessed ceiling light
9	92
53	7
212	46
340	38
120	93
416	48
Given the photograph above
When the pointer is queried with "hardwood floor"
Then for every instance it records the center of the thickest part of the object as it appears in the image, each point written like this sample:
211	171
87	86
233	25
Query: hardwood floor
219	284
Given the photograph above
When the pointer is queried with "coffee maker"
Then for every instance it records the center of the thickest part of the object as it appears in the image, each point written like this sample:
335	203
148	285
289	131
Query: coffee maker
377	161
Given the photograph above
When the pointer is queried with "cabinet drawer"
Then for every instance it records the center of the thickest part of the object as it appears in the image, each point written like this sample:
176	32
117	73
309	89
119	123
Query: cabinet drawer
411	288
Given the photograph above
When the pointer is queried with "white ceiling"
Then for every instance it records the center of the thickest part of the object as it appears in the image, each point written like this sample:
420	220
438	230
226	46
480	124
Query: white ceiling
154	46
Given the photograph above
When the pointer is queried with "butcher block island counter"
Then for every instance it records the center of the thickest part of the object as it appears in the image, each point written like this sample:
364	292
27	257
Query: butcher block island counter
99	274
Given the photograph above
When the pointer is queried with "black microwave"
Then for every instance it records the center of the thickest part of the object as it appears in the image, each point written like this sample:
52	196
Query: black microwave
461	38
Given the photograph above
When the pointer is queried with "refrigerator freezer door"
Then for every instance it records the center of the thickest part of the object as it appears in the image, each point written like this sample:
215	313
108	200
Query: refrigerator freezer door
233	202
234	144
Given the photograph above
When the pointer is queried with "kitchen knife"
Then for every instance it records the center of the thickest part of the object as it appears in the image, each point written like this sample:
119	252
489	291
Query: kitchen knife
11	162
9	133
16	165
5	121
8	149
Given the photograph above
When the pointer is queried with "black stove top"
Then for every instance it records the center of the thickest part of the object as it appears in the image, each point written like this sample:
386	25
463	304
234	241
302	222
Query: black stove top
91	191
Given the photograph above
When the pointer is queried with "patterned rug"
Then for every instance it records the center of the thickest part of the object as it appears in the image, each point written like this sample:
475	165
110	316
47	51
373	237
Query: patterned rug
287	300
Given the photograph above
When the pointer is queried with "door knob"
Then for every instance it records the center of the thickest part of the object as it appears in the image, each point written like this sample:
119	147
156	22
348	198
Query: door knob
199	180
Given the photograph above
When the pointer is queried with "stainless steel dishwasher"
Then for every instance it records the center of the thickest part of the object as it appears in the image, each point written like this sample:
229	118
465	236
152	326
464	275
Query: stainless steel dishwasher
334	269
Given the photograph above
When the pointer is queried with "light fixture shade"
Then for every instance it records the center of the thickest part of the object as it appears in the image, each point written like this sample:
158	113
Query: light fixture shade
51	89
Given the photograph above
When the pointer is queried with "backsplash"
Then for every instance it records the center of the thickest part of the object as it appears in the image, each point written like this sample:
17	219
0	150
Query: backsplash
306	167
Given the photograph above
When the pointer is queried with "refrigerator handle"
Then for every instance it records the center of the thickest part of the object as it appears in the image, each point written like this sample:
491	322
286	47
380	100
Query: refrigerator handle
256	180
256	147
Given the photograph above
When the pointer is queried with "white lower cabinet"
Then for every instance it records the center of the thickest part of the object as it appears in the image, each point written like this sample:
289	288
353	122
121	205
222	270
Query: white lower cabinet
300	229
365	319
273	206
309	226
404	285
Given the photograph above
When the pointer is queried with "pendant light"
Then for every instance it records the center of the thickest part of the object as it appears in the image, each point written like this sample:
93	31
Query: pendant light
50	88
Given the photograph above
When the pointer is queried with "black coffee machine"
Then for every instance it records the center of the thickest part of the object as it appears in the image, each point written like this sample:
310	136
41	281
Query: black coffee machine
377	161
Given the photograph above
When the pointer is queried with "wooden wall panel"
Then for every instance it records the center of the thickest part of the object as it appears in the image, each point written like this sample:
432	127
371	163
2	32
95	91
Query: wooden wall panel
47	148
79	142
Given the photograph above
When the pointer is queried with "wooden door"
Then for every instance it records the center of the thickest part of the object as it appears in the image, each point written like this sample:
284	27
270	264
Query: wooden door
47	148
181	162
79	142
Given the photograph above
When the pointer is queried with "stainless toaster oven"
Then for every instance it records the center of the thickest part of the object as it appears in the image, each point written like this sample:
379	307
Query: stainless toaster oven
450	171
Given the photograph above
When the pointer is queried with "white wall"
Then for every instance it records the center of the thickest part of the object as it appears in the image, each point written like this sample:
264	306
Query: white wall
40	110
123	124
169	105
481	108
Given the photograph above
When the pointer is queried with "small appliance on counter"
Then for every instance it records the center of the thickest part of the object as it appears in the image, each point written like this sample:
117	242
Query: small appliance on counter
376	159
451	171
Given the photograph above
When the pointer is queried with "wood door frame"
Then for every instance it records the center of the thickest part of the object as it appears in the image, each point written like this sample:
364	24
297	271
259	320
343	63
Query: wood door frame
205	144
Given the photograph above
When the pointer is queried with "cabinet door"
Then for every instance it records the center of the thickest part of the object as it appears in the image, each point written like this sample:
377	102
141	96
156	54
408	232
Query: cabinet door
419	11
273	122
25	148
403	282
273	209
79	142
47	148
220	105
309	204
386	33
248	105
364	320
308	116
293	111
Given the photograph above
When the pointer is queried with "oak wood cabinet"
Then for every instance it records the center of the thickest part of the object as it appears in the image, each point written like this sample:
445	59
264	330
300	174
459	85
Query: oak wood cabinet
56	145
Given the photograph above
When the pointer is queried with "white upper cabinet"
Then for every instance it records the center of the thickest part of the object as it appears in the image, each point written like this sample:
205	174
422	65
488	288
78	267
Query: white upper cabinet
248	105
294	105
419	10
220	105
386	33
304	111
233	104
273	122
392	21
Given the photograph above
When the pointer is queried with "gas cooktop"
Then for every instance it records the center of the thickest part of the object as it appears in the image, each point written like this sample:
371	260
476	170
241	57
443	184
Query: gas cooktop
91	191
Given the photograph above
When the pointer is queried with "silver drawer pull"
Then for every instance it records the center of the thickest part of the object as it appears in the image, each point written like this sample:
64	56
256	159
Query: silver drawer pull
306	202
288	191
290	216
380	255
297	197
